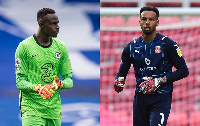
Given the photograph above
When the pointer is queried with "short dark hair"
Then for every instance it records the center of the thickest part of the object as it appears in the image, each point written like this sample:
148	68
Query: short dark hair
43	12
150	8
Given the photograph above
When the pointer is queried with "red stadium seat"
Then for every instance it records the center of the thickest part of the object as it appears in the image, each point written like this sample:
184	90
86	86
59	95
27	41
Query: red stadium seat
133	21
192	18
164	4
166	20
178	119
195	118
182	106
119	4
110	118
112	21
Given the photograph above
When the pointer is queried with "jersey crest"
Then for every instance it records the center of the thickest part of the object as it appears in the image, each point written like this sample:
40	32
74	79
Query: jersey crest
157	49
57	54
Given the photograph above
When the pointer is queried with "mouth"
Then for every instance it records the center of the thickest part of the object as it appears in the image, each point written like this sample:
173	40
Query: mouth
147	28
56	32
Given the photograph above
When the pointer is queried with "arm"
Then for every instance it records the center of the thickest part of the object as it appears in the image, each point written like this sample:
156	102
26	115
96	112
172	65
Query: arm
177	60
66	69
22	83
68	81
125	63
123	70
21	70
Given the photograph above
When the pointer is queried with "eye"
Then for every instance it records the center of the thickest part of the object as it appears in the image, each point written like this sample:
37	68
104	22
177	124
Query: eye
152	19
143	19
55	23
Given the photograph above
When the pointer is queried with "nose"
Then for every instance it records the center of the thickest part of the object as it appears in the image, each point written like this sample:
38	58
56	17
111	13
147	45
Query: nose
57	26
147	22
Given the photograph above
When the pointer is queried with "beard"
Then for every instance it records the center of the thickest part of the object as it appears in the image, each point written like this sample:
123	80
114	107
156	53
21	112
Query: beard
148	33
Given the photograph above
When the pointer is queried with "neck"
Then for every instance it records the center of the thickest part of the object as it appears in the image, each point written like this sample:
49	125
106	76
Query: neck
42	38
148	38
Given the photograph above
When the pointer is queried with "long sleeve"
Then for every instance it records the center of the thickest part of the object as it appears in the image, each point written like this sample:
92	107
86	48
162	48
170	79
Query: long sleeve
68	81
21	68
125	63
177	60
66	69
22	83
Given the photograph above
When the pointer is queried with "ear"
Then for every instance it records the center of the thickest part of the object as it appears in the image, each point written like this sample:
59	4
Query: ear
157	23
40	23
139	22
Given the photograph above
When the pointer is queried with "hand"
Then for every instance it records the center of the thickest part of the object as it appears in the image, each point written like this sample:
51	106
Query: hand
45	91
151	84
57	83
119	84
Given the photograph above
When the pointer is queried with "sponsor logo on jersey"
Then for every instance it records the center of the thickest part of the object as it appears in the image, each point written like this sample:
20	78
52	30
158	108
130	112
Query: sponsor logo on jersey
179	53
17	62
47	77
57	54
147	61
147	68
157	49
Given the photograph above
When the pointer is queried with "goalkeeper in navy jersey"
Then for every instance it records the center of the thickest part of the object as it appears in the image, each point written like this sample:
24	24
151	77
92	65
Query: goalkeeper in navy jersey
153	55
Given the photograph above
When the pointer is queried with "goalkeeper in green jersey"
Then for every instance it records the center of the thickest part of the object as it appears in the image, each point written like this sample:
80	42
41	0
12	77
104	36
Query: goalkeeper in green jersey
39	60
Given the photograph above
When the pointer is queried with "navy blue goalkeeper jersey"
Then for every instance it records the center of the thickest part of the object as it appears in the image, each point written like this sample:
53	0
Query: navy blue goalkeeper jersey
154	59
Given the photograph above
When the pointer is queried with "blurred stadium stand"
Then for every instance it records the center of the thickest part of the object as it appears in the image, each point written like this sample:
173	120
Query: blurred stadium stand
119	29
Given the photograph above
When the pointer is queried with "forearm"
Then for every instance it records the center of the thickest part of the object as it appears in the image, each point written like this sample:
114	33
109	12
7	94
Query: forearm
177	75
123	70
68	81
23	85
181	72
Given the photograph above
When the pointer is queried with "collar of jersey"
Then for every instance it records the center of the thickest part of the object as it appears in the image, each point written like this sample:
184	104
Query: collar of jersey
149	41
40	44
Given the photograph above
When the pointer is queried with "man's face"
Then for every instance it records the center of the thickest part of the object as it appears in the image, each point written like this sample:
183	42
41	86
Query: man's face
148	22
50	25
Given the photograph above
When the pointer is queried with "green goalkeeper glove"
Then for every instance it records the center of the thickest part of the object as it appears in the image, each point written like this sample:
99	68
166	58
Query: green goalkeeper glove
58	84
45	91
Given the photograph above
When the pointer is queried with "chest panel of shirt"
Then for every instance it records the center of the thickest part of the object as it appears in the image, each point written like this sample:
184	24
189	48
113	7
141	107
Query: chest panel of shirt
147	57
44	62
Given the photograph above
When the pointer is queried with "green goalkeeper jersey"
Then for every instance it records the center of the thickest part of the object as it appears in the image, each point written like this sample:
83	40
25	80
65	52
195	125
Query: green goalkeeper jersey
37	64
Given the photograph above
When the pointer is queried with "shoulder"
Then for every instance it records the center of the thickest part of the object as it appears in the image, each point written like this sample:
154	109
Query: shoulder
59	42
26	42
166	39
135	41
132	44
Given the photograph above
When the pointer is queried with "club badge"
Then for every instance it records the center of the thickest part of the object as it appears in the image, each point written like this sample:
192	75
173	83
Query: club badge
157	49
57	54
